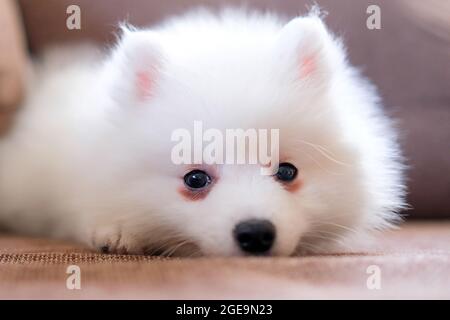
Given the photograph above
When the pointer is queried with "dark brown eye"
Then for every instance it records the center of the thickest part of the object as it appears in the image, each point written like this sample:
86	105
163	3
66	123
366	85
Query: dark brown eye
286	172
197	179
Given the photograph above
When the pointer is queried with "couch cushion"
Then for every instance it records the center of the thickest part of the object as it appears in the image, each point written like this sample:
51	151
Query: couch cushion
414	262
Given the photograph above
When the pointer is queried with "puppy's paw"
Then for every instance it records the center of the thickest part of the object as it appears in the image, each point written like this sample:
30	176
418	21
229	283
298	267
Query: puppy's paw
113	240
140	239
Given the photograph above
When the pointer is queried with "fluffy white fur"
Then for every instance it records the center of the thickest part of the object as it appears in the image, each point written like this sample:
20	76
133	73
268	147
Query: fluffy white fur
89	157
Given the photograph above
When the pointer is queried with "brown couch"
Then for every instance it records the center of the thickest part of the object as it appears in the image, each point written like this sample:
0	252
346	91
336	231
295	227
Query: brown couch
408	61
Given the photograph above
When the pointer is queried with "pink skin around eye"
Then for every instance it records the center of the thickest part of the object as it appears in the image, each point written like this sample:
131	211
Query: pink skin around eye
192	195
293	186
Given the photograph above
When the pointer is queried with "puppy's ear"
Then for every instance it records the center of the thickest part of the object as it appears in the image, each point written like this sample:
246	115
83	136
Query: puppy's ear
135	66
305	44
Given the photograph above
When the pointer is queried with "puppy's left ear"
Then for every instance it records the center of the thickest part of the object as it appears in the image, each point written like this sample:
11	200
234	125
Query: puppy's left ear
136	64
305	44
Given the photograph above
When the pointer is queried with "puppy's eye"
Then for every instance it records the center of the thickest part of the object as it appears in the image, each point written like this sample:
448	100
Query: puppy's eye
286	172
197	179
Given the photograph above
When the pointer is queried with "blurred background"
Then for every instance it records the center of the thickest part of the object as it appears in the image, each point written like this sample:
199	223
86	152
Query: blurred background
407	59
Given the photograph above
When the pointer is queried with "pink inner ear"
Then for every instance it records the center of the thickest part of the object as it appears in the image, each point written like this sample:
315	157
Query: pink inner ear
145	83
307	66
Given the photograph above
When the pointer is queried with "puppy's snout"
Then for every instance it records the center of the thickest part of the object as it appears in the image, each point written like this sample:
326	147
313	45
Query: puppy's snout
255	236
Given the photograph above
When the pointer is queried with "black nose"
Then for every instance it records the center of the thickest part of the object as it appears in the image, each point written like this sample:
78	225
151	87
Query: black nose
255	236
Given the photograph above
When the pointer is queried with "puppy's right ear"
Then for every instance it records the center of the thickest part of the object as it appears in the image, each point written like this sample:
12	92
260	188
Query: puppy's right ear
304	43
135	66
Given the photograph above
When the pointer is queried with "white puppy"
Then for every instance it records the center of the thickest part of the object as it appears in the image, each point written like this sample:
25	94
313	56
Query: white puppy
89	158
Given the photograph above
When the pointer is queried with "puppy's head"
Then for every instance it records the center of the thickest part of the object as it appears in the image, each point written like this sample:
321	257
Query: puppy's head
283	81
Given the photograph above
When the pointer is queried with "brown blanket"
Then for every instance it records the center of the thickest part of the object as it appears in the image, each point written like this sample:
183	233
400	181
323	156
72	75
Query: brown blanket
413	262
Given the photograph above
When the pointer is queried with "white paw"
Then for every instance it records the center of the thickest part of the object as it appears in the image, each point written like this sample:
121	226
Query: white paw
113	239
